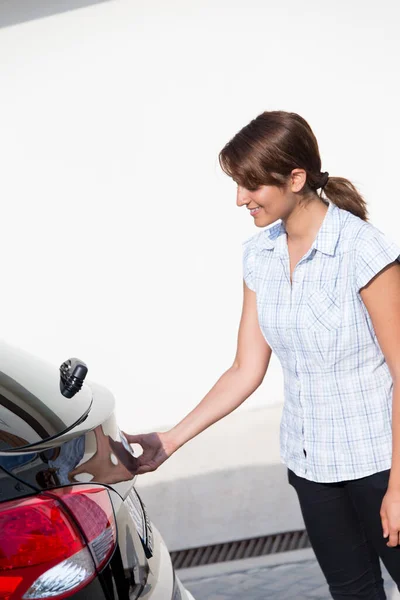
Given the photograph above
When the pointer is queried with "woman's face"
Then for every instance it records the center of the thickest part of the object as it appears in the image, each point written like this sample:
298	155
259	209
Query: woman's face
267	204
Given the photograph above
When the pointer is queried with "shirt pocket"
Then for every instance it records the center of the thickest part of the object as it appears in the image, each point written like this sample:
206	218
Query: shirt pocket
323	313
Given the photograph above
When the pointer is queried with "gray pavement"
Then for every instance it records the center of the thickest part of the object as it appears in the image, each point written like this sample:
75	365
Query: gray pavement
296	576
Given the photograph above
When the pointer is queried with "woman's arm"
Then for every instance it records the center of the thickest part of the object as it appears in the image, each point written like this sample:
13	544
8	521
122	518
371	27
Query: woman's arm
382	299
236	384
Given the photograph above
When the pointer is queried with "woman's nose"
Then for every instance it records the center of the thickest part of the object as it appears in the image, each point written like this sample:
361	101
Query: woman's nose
241	197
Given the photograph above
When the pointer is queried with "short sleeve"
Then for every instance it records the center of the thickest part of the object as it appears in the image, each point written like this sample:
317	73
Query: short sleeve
374	253
249	254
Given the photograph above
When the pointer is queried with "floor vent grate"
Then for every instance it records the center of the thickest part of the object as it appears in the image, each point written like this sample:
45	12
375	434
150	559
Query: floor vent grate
270	544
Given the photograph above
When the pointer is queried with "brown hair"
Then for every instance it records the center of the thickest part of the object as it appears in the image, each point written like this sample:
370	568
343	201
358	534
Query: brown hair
266	151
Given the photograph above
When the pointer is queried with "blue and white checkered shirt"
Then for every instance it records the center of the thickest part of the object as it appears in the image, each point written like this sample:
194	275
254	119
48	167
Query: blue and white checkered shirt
336	421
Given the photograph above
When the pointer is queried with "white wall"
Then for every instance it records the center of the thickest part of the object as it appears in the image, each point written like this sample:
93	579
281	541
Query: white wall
120	238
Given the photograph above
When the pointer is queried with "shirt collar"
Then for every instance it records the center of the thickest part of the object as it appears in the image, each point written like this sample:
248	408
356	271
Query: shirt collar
275	236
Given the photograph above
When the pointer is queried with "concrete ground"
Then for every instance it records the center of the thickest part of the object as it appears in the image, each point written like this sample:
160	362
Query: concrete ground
288	576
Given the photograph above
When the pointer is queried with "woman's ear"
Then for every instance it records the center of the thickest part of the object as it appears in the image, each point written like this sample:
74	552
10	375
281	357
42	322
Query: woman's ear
298	178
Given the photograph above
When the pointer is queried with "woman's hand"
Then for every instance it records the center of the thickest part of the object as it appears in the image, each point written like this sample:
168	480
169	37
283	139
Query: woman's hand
157	447
390	516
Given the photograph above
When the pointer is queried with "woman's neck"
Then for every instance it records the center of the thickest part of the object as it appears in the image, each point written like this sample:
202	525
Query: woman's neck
304	222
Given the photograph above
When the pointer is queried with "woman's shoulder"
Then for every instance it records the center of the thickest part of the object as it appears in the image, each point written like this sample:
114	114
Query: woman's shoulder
252	251
370	249
356	233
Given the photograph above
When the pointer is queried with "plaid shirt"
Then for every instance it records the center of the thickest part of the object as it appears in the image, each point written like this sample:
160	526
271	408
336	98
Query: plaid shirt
336	421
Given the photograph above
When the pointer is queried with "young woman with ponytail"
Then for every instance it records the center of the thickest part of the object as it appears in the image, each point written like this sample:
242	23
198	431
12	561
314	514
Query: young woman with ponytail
322	291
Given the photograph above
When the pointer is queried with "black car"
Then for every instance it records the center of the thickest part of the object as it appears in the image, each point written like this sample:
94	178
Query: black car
72	524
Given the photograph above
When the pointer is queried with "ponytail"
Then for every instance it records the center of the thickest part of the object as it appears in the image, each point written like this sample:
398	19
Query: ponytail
343	194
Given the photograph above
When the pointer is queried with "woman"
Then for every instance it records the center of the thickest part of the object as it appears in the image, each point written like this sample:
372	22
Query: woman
321	290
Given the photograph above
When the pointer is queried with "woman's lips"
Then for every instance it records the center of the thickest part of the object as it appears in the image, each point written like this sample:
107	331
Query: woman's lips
254	211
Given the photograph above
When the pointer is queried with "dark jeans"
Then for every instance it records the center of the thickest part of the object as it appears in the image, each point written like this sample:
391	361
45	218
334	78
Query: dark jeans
345	531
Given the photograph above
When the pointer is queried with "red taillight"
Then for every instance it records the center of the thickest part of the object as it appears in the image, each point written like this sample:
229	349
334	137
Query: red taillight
32	531
92	510
43	553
